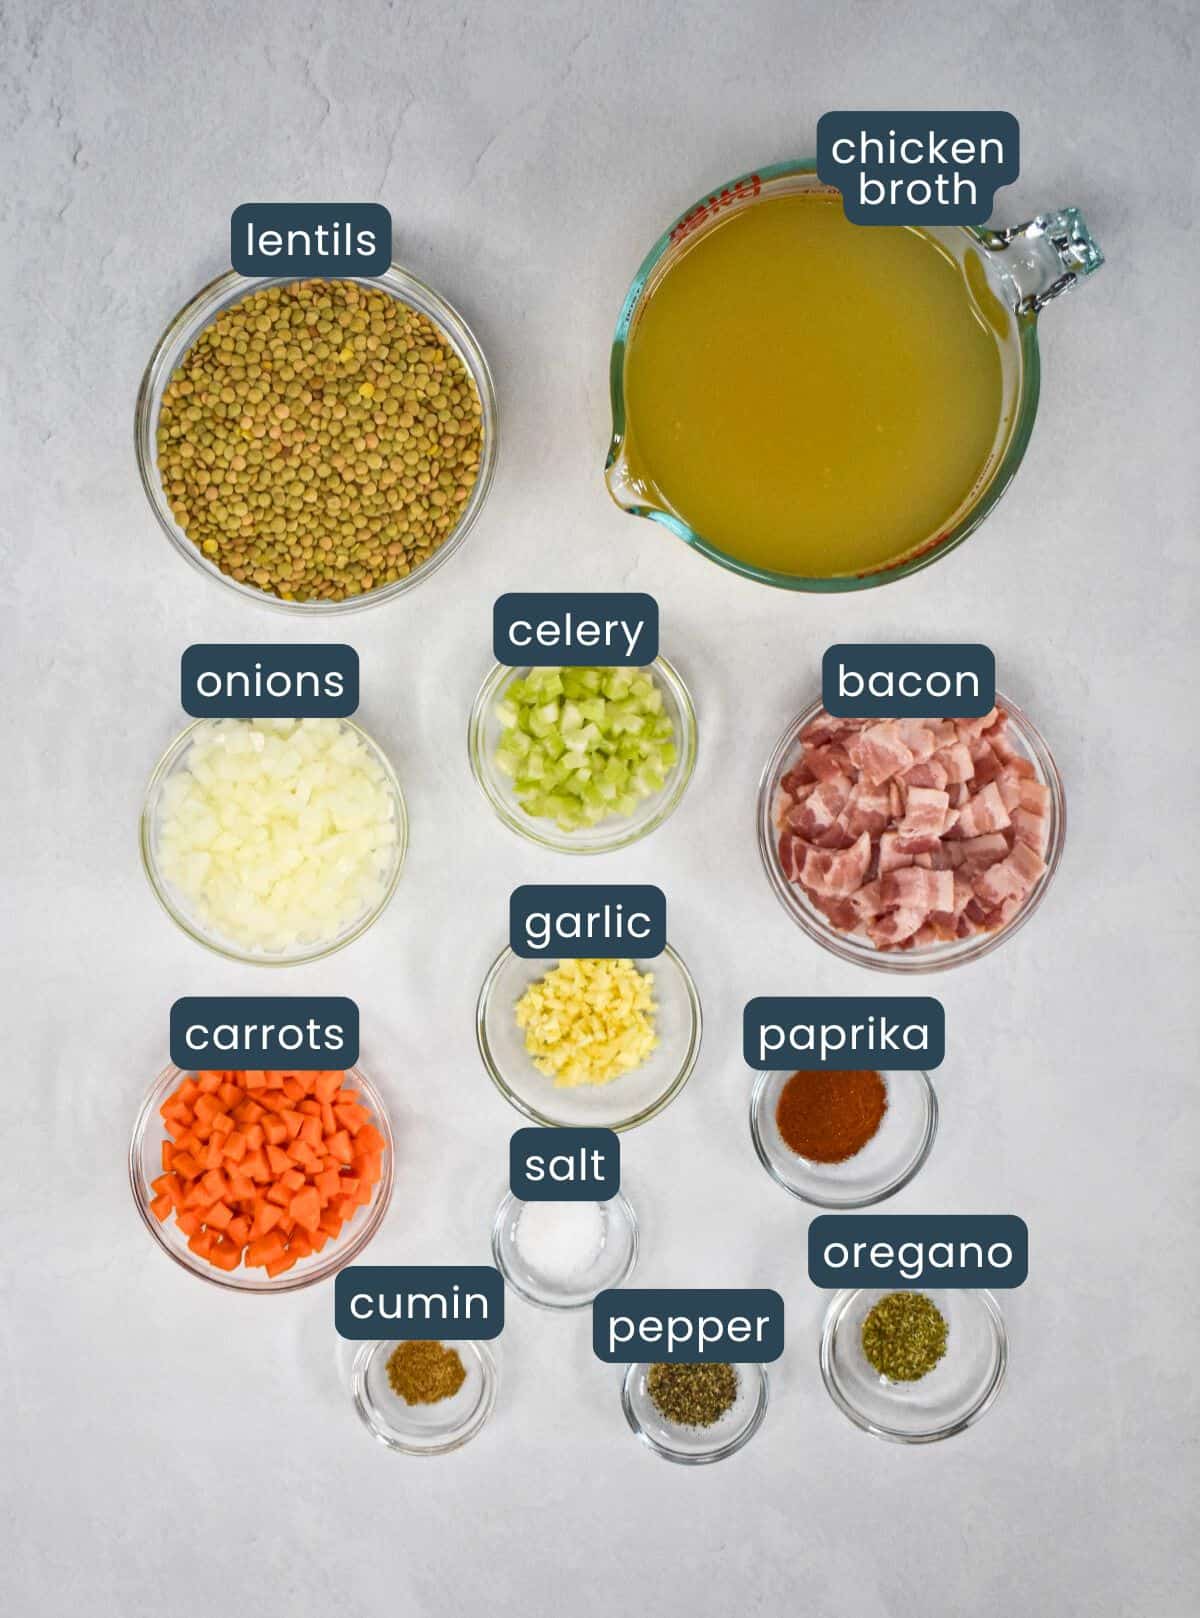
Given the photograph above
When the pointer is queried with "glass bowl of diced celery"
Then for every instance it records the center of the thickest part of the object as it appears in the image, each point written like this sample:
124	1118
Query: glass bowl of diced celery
583	760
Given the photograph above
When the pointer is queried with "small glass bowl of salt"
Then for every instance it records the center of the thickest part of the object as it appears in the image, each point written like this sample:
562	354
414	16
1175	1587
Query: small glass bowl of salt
559	1255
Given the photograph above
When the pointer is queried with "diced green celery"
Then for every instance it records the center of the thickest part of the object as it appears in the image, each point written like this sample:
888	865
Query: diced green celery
584	744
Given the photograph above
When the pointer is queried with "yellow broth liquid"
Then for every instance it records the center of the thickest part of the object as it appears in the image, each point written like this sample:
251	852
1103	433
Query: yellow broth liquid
813	397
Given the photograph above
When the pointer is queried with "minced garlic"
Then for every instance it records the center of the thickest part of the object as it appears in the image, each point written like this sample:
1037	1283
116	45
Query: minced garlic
587	1022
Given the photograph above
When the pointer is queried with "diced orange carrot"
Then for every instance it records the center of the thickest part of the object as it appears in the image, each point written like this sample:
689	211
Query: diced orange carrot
255	1079
209	1081
326	1085
338	1145
189	1223
278	1159
230	1095
292	1122
328	1184
292	1180
274	1129
280	1265
265	1248
266	1217
238	1230
368	1166
255	1139
218	1216
222	1124
293	1089
368	1139
161	1206
241	1186
235	1146
201	1243
351	1117
225	1255
300	1246
305	1208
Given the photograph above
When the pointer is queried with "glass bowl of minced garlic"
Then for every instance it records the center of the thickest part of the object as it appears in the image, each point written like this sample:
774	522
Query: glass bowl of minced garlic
577	1042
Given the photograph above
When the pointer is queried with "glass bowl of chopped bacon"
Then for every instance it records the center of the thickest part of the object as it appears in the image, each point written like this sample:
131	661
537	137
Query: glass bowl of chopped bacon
911	845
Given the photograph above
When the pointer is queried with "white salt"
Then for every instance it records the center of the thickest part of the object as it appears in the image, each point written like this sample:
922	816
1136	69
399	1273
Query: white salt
560	1240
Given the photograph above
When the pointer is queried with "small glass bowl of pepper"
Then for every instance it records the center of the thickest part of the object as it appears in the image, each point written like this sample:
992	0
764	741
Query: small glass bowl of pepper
939	1383
695	1414
843	1140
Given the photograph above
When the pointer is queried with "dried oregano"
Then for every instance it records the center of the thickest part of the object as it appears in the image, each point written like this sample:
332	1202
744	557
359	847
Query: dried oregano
904	1336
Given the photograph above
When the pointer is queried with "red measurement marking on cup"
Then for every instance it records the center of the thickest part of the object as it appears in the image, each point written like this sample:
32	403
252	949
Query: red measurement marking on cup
744	191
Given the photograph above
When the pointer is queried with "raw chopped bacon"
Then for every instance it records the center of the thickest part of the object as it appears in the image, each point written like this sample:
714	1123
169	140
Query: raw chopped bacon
837	873
879	752
981	813
913	832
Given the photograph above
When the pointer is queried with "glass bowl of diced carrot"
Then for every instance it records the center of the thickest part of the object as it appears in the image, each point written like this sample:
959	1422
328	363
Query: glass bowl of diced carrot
262	1180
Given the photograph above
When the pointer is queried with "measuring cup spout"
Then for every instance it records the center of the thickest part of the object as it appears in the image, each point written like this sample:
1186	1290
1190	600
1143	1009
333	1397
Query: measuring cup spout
1041	260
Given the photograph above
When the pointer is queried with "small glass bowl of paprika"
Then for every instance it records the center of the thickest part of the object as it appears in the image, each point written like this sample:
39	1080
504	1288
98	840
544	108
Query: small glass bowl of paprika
843	1140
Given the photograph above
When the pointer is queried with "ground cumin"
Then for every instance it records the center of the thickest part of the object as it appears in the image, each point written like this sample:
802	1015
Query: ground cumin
423	1372
829	1117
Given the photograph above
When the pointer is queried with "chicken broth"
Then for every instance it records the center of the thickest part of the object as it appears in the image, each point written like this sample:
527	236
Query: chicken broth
812	397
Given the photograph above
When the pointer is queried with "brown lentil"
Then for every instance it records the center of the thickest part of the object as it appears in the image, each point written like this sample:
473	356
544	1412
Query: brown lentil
320	439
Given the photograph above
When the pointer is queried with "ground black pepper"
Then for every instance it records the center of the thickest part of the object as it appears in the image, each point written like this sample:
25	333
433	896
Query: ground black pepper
693	1395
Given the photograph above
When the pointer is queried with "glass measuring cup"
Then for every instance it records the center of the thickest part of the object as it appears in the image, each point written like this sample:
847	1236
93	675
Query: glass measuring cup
1016	272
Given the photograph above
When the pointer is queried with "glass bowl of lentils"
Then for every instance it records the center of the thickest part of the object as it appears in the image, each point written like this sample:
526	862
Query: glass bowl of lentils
317	445
695	1414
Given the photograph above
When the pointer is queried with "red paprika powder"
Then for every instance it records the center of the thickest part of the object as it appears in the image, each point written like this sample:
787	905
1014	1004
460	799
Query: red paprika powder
829	1117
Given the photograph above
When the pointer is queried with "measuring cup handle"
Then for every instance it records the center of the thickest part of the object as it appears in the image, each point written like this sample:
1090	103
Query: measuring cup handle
1044	258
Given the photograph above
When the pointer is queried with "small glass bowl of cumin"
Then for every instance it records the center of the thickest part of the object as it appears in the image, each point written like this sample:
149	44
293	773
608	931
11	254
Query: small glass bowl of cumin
425	1429
883	1165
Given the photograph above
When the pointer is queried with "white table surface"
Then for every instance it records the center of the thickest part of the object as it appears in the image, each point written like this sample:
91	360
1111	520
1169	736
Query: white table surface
167	1447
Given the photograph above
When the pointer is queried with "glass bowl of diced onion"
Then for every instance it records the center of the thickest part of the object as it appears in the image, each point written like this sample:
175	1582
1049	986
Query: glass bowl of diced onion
522	770
930	957
306	934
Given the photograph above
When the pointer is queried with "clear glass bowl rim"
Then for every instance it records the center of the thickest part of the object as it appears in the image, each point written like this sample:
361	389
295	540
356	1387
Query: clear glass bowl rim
337	1255
543	833
171	755
498	1223
489	1371
705	1458
230	288
932	550
763	1078
841	1301
841	945
663	1101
